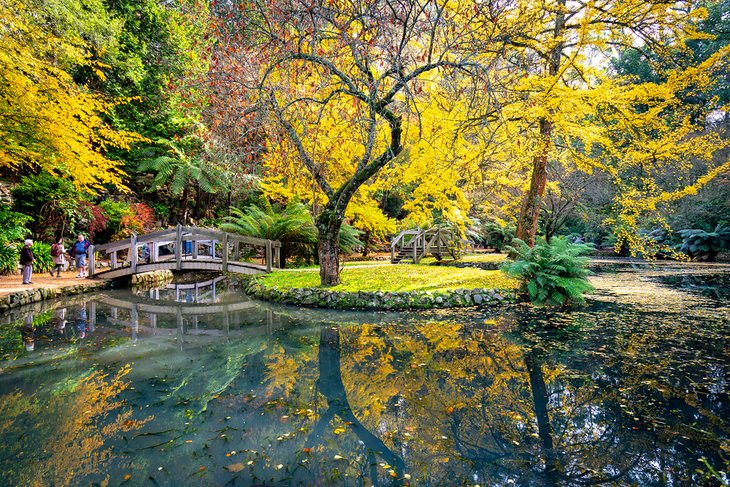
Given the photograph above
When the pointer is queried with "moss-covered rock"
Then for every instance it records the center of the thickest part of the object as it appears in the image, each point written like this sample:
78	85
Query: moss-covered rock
378	300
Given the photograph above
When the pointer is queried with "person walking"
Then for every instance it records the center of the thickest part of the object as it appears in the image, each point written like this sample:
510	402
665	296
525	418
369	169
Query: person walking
59	258
78	252
26	261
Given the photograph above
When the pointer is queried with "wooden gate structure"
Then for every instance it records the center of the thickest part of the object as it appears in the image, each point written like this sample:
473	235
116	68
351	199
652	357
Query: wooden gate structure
184	249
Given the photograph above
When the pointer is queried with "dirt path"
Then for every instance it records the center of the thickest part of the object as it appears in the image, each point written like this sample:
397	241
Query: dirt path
14	284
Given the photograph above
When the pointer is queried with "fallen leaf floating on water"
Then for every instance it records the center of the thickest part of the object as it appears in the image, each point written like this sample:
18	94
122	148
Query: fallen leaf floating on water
338	457
234	467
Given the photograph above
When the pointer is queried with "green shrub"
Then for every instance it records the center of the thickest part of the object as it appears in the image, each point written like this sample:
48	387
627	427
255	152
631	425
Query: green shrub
551	273
705	245
291	225
8	259
43	260
496	234
52	202
12	225
114	211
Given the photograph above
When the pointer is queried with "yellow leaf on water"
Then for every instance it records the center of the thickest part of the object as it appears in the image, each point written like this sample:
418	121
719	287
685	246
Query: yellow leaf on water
234	467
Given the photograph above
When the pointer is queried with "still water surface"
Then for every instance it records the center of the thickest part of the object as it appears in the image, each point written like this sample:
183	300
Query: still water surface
198	385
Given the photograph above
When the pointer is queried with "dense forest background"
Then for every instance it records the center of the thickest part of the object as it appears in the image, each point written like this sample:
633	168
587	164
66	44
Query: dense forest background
124	116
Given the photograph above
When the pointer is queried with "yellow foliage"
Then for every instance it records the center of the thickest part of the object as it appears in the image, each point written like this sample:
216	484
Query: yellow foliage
78	425
47	121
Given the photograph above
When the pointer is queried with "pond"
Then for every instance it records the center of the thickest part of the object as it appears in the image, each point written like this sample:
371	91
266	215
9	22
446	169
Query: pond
195	384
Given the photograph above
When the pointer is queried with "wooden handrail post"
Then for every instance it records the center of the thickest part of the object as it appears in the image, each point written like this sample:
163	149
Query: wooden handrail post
277	255
195	249
268	256
92	261
224	252
178	248
133	252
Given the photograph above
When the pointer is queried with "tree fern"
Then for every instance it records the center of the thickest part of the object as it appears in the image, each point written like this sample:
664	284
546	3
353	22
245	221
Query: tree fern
292	226
551	274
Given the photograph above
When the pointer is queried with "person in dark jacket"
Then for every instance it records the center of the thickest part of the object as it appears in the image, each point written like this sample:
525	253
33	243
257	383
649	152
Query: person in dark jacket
26	261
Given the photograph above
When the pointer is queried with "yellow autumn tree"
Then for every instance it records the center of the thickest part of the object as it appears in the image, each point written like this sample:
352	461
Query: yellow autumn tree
560	105
47	121
334	89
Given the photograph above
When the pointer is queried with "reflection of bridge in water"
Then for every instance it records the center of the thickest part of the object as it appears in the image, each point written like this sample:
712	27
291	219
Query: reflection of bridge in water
167	318
198	292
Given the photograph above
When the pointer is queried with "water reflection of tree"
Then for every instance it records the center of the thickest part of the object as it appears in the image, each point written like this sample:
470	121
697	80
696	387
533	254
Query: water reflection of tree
513	409
330	385
61	436
443	401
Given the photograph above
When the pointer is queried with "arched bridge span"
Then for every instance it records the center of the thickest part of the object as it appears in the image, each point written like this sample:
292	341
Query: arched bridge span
184	249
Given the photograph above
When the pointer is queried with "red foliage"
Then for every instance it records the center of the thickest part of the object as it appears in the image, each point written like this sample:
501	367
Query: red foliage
97	220
140	220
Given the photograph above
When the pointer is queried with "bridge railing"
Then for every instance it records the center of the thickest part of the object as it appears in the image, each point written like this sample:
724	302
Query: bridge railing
173	247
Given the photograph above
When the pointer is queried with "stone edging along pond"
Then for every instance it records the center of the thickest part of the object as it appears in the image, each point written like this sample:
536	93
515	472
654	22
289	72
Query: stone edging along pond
13	300
379	300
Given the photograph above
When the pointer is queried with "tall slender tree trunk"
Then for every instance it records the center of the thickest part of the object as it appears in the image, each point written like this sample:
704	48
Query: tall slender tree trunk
530	209
184	203
328	248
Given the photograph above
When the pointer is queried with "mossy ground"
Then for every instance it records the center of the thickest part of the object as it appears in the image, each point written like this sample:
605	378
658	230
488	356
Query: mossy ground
401	277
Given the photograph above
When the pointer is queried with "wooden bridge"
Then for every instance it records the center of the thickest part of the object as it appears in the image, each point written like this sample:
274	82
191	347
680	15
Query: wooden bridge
184	249
413	245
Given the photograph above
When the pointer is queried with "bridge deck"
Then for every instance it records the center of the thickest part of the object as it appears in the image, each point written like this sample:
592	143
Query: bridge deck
188	248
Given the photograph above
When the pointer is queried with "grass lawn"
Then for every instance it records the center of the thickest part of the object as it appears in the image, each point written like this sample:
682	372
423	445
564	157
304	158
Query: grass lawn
482	257
402	277
347	264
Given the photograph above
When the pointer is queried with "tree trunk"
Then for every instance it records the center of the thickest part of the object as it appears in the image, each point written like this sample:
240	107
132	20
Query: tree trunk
328	248
283	255
184	203
198	201
530	209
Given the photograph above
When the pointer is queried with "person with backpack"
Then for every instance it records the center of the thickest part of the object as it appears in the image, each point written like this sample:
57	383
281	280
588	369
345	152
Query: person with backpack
26	261
78	252
59	259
